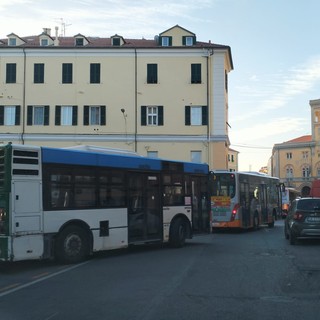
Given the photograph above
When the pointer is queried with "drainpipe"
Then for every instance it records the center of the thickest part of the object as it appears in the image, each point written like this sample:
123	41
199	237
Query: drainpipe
135	99
23	95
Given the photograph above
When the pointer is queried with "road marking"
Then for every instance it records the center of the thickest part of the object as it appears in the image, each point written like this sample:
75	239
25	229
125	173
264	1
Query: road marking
17	287
9	287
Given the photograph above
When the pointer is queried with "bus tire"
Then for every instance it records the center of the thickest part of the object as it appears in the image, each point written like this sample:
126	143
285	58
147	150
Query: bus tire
72	245
178	231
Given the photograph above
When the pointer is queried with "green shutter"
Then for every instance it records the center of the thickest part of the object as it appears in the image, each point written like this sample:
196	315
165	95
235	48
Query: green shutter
143	115
187	120
58	116
17	119
103	115
86	115
29	115
74	115
46	116
1	115
160	115
204	115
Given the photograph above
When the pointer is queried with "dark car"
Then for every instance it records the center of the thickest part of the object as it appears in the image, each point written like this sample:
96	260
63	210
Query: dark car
303	220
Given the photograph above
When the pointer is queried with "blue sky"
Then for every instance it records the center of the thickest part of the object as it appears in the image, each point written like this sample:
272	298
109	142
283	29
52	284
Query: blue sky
275	48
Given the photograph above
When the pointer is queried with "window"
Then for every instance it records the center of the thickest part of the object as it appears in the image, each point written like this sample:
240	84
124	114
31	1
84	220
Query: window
195	73
67	73
116	41
11	75
38	74
44	42
152	115
305	171
188	40
166	41
38	115
318	172
12	41
289	172
94	72
9	115
79	42
152	73
289	155
196	156
66	115
196	115
94	115
305	154
152	154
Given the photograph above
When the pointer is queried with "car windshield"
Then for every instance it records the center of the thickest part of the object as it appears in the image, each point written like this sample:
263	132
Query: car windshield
309	204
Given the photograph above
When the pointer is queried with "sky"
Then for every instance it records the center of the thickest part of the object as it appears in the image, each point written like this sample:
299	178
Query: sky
274	44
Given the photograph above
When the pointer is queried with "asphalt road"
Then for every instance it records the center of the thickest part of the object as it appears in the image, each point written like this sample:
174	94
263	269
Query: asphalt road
227	275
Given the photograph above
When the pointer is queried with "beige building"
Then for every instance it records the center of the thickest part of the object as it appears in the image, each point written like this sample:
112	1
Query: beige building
297	162
233	160
166	97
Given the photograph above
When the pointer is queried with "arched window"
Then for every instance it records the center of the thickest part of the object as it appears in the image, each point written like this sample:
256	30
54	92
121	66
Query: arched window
289	172
305	171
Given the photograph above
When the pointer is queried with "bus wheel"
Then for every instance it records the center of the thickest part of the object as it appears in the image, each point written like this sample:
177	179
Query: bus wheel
177	233
72	245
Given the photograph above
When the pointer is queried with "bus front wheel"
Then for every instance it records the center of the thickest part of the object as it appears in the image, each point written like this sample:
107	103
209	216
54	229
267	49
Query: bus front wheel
72	245
178	233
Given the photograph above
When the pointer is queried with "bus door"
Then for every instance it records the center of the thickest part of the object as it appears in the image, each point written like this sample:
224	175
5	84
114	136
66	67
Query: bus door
263	202
245	204
200	211
144	207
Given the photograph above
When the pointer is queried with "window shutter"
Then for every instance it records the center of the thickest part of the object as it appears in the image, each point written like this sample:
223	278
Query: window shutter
170	41
58	116
29	115
143	115
74	115
103	115
160	115
204	115
184	40
1	115
194	41
17	119
187	116
86	115
46	116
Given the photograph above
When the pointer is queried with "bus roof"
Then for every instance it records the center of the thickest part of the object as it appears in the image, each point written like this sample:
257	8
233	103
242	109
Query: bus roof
117	160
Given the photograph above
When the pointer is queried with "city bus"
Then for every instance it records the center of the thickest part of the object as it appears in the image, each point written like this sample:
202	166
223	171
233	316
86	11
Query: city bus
67	203
244	200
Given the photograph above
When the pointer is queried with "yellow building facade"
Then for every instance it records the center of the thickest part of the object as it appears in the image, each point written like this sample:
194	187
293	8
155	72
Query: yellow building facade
297	162
166	97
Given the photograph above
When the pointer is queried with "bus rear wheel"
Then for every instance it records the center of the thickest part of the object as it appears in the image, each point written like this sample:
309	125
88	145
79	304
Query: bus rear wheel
72	245
178	233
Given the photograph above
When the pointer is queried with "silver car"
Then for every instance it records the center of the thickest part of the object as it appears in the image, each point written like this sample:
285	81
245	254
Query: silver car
303	220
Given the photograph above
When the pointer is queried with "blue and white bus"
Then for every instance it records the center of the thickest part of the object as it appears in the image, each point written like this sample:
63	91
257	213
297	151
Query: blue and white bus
67	203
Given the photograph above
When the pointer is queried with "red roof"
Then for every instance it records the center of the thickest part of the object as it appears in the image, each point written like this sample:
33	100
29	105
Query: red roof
306	138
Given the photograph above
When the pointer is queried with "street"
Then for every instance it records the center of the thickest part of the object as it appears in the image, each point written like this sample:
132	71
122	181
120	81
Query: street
226	275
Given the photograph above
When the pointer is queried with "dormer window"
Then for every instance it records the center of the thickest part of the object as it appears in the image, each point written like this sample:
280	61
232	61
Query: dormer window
79	42
188	41
44	42
12	41
166	41
116	41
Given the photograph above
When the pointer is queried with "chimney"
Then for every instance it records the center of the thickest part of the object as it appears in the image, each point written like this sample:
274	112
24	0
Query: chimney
47	31
56	39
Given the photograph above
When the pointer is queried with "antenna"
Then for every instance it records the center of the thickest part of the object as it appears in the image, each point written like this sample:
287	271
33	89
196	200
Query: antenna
63	25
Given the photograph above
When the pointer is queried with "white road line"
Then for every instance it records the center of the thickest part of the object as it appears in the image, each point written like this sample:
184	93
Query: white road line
42	279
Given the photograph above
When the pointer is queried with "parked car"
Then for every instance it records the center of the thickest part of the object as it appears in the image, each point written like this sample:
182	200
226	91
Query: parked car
303	220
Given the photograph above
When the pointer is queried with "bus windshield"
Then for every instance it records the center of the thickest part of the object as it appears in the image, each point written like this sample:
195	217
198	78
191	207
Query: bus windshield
223	184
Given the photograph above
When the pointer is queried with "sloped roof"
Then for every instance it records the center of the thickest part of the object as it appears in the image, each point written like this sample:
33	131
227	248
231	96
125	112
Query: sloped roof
302	139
